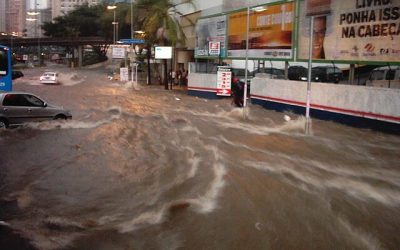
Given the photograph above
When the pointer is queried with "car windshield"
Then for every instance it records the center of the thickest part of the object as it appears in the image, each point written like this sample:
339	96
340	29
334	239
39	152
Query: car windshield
333	70
49	74
240	72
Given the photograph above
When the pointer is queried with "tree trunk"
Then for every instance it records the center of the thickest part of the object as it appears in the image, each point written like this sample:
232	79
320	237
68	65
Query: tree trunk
165	73
148	64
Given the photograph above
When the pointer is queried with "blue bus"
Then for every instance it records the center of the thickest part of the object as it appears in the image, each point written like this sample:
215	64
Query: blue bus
5	69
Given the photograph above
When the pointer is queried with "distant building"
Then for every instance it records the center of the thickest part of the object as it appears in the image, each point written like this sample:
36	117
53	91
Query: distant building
2	16
12	16
33	28
62	7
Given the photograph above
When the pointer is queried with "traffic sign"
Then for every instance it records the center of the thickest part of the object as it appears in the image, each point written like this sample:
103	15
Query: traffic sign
131	41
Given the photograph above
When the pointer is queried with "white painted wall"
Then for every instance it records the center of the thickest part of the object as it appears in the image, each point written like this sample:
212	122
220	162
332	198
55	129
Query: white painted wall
374	103
207	82
380	101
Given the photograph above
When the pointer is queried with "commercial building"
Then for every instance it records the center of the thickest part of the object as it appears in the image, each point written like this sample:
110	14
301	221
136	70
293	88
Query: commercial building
12	16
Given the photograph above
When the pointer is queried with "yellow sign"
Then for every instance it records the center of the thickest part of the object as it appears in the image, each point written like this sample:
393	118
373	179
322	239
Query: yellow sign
270	32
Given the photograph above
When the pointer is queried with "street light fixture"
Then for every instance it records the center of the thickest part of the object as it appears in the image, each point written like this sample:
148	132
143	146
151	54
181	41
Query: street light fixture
115	24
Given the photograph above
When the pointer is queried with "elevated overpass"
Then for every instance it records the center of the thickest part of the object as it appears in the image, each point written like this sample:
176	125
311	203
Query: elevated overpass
60	41
76	43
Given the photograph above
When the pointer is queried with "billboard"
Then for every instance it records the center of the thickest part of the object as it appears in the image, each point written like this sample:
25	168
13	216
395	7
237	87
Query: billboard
270	32
163	52
118	52
352	30
208	30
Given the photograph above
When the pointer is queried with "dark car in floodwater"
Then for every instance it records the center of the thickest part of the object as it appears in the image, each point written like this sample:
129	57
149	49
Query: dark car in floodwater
298	73
16	74
327	74
19	107
272	73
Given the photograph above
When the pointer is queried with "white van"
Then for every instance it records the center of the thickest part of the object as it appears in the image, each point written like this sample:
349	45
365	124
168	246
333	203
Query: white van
385	77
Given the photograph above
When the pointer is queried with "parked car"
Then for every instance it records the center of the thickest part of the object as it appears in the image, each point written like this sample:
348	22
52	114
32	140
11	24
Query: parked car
49	78
272	73
300	73
16	74
328	74
19	107
385	77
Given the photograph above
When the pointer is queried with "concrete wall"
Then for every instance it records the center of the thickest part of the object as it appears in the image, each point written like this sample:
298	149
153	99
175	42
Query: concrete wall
202	82
369	102
361	101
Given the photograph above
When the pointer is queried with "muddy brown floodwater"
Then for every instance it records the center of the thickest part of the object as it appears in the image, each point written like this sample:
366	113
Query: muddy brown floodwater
146	168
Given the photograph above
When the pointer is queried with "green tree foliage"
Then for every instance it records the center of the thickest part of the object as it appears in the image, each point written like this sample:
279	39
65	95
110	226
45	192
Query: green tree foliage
161	24
88	21
83	21
161	21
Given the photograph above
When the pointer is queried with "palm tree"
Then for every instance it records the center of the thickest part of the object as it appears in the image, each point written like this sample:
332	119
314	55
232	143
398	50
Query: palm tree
161	25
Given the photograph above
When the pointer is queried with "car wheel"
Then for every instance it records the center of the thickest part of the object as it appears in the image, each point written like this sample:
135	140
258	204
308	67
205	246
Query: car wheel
59	117
3	124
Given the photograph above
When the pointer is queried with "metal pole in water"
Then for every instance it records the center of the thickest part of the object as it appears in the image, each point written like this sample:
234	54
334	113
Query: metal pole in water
246	63
308	120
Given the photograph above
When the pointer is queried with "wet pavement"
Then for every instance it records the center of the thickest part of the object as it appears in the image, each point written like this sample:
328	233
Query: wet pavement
139	167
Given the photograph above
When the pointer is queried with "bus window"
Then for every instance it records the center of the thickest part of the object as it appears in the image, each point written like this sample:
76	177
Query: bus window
3	62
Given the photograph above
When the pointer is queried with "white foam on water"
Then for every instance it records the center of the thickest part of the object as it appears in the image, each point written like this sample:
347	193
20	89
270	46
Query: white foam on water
144	219
344	178
383	175
191	129
45	240
70	79
51	125
233	119
104	220
367	240
365	191
295	125
351	186
194	162
115	112
129	85
208	202
202	204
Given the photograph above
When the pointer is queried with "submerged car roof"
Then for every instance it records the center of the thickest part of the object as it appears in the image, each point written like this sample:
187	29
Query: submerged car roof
2	93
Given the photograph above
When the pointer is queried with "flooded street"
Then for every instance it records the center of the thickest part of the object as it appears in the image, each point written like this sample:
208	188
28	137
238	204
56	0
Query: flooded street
146	168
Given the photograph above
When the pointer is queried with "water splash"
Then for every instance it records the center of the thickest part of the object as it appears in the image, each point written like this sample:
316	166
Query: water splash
115	113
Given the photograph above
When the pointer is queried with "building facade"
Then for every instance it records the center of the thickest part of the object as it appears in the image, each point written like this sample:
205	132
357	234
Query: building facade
12	16
33	25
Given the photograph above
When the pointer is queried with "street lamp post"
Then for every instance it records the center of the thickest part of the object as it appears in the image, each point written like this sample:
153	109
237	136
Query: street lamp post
249	11
113	7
